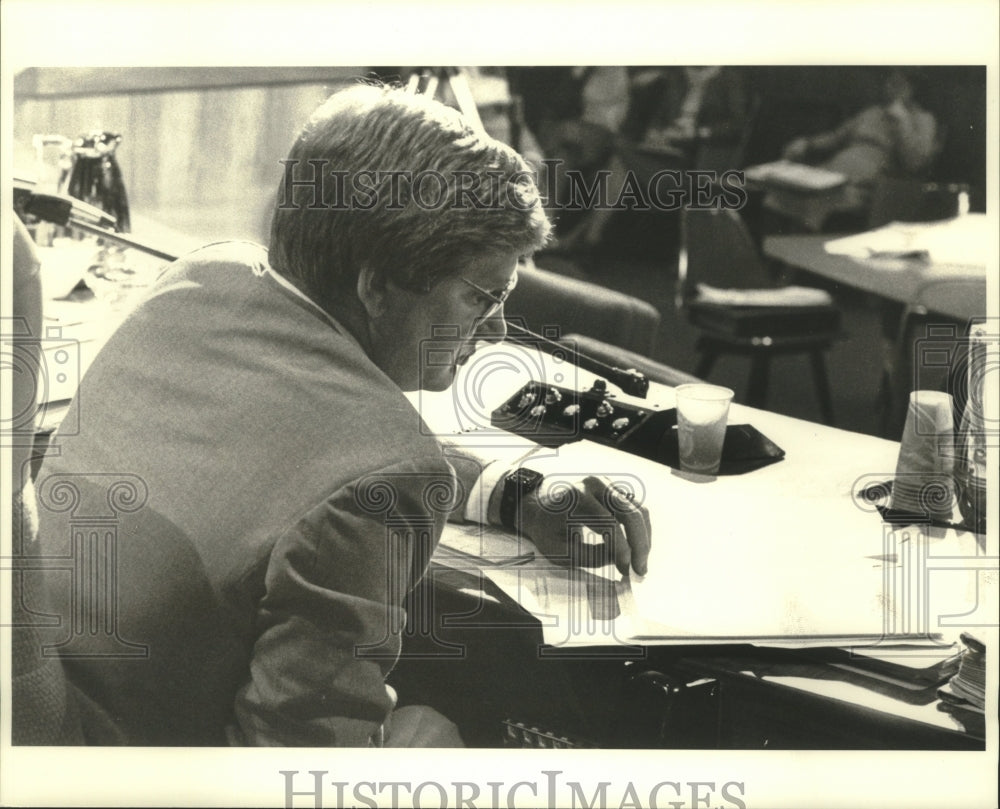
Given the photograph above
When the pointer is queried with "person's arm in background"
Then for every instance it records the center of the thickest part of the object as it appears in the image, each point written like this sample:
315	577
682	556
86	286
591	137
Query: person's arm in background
725	107
24	367
822	144
916	136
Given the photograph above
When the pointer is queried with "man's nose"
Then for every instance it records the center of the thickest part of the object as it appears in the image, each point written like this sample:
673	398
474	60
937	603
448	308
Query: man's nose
492	329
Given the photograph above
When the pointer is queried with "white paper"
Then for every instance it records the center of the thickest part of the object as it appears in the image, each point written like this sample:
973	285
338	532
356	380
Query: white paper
962	241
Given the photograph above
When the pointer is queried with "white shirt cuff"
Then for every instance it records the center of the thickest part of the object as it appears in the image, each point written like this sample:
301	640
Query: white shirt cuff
477	505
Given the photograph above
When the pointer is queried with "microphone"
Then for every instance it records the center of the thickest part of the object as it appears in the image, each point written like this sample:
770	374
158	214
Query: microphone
61	209
631	381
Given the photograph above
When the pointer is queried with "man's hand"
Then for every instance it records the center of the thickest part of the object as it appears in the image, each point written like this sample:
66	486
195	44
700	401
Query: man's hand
560	519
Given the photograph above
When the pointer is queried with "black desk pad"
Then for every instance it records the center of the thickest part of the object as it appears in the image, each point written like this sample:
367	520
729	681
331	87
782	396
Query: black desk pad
554	416
744	449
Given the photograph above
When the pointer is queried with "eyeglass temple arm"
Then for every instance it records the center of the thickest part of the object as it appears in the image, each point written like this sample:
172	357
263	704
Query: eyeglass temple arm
630	381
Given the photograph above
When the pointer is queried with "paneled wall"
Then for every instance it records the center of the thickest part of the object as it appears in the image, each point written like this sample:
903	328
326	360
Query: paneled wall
200	159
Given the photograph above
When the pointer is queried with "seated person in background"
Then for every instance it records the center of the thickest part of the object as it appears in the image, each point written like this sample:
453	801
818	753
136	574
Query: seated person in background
678	118
897	138
574	114
697	114
272	493
37	685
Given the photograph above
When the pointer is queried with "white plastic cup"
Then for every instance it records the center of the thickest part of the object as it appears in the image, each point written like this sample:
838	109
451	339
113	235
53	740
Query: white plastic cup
702	414
923	481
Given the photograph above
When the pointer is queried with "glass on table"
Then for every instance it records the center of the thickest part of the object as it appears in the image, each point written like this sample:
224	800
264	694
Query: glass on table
702	414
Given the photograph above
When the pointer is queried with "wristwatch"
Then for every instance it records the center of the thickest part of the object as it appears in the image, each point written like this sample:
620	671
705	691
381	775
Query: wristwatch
516	485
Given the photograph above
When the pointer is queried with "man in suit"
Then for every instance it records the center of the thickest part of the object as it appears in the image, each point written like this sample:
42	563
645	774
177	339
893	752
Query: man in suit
249	495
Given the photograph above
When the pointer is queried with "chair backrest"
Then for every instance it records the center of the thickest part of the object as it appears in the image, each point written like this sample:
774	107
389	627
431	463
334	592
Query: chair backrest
544	300
718	249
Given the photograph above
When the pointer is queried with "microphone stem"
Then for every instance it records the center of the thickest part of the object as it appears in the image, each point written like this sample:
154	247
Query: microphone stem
630	381
118	238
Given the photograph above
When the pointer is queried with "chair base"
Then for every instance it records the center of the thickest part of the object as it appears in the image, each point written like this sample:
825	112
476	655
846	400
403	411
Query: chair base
760	351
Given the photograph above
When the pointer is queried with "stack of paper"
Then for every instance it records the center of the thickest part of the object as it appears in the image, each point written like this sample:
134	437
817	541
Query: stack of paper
964	240
968	687
474	546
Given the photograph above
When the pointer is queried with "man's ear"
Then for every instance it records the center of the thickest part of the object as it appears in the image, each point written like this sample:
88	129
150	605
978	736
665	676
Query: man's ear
371	289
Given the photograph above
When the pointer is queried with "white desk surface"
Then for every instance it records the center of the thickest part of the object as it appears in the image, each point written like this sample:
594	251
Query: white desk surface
786	553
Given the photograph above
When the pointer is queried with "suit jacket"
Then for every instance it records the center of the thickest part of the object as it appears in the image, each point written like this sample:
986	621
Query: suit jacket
240	500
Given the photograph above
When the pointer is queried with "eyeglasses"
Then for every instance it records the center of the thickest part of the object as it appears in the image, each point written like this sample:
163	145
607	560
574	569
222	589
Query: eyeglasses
496	299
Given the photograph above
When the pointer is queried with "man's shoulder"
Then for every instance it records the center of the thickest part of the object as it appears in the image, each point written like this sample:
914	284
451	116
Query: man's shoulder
238	252
215	258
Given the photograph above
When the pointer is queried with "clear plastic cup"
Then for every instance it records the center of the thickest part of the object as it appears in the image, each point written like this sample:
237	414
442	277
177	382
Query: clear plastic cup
702	413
